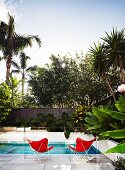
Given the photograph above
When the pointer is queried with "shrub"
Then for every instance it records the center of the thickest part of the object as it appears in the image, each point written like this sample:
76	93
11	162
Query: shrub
120	164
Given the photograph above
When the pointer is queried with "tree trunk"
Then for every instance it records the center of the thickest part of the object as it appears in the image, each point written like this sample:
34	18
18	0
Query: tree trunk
13	105
110	88
10	47
23	81
8	66
122	72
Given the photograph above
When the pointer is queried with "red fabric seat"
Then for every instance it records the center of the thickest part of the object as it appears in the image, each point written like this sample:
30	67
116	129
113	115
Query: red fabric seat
82	145
40	146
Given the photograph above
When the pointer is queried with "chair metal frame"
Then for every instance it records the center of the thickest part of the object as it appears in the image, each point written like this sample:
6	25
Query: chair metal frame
37	151
84	149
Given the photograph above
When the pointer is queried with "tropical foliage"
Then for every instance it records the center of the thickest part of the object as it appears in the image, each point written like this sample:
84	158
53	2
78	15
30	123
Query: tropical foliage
119	133
109	56
115	50
12	43
98	121
23	69
79	82
10	97
78	116
15	92
108	122
5	102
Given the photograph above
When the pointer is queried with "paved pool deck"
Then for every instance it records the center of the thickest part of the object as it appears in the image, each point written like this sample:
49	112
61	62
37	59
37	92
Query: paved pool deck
55	162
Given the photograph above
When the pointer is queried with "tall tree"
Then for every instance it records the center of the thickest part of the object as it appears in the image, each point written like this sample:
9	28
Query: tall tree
115	51
12	43
22	68
65	83
99	54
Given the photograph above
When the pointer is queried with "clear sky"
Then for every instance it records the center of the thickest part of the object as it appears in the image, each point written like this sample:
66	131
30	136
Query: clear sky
63	25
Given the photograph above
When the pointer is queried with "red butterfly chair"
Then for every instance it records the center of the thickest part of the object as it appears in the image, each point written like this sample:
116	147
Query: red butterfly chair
40	146
82	145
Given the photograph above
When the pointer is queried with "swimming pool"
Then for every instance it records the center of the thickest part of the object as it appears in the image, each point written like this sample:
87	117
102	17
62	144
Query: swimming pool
24	148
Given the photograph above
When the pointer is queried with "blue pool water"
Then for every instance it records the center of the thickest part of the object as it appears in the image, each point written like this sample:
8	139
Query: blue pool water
24	148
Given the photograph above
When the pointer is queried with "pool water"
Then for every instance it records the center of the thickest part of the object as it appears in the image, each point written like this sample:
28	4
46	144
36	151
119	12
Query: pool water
24	148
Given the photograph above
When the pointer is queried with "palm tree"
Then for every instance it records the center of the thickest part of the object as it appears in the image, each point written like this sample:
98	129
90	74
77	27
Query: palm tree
12	43
99	54
22	68
115	47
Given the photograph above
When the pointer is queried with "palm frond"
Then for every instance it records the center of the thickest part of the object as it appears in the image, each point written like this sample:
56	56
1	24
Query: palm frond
116	134
15	64
11	24
30	69
98	55
115	46
20	42
15	71
23	60
37	39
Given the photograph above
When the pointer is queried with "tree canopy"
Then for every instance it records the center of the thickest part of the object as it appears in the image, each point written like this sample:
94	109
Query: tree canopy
67	82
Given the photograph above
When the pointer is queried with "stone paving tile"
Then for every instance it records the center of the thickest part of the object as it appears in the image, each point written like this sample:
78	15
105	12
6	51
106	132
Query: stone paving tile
23	167
60	166
93	166
2	164
6	158
53	162
89	159
87	167
59	159
107	166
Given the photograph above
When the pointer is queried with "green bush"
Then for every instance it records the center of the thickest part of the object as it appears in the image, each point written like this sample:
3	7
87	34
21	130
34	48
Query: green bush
119	164
67	134
5	102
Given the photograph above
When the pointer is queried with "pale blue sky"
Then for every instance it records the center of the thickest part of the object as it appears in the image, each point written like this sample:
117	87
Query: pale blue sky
64	25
